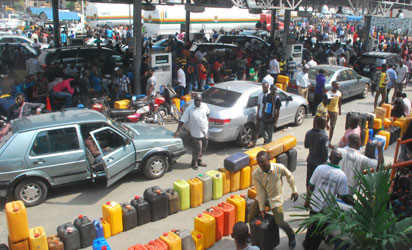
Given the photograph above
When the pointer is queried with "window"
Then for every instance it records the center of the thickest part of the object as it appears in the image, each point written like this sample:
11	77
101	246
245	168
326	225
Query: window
352	74
109	140
55	141
282	96
253	99
68	56
220	97
343	76
8	40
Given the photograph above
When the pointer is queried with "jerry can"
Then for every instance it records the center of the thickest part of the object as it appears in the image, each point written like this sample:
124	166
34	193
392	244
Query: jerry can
244	178
206	224
20	245
274	148
236	161
142	210
122	104
112	213
69	235
240	207
252	155
138	247
229	215
101	244
86	229
186	98
252	193
377	124
99	229
217	213
387	134
264	232
388	108
217	182
226	180
172	241
207	187
107	231
159	202
17	222
54	243
186	238
174	201
176	101
196	192
156	244
183	188
38	239
288	142
129	216
387	123
249	203
234	181
199	240
254	167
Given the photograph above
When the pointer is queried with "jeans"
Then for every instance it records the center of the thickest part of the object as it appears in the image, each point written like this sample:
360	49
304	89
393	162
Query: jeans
202	83
199	148
382	92
63	95
191	85
268	129
258	131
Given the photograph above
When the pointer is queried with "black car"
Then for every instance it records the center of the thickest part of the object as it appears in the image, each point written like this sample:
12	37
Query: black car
214	50
370	62
242	39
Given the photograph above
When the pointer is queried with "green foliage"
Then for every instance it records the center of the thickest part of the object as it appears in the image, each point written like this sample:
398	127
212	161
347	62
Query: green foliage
371	224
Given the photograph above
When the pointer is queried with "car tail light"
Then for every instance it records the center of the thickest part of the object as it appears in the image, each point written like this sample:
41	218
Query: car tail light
44	66
292	85
219	121
378	68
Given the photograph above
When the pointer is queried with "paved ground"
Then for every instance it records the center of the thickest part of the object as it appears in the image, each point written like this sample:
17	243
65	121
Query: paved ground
65	204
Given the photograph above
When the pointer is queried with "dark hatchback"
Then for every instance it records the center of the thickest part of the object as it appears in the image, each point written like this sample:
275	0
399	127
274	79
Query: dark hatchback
370	62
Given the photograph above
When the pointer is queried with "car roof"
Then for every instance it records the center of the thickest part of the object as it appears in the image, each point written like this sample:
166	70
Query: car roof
329	67
215	45
379	54
239	86
56	119
75	47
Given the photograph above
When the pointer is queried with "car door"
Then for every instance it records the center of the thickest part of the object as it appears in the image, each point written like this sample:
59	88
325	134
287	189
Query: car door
58	153
287	111
356	86
117	153
251	106
345	83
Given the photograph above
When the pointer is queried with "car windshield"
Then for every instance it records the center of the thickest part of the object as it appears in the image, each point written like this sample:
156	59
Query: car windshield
366	60
121	127
220	97
314	72
5	138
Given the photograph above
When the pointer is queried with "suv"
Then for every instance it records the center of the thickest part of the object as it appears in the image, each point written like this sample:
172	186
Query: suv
370	62
20	39
214	50
50	58
242	39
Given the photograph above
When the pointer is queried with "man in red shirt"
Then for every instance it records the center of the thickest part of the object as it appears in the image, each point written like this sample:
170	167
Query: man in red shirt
202	72
63	90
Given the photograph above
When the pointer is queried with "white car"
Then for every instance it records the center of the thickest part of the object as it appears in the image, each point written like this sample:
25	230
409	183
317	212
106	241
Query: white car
20	39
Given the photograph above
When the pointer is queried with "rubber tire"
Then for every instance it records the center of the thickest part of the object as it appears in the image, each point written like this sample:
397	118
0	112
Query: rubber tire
42	186
247	126
146	167
300	109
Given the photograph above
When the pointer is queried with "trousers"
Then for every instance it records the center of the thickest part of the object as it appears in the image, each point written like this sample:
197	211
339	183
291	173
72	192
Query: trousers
199	148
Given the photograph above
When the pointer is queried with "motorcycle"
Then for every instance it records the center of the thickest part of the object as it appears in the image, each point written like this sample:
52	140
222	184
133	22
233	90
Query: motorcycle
168	107
147	111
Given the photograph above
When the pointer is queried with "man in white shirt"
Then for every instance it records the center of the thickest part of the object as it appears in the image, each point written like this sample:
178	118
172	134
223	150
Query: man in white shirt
353	160
195	118
259	124
274	68
303	83
402	72
33	66
181	79
200	54
268	79
407	104
311	62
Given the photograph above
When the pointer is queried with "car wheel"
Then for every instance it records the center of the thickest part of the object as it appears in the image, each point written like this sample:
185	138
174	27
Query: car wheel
155	167
245	135
31	191
364	94
300	116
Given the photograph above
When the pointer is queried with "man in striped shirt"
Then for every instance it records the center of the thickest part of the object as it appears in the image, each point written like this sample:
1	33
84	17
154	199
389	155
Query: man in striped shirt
269	187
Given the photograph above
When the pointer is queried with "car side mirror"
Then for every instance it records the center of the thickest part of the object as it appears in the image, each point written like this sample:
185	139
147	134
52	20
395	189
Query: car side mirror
290	98
126	140
359	77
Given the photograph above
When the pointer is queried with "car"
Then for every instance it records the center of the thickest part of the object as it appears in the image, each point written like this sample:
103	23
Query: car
49	150
351	83
371	62
20	39
233	108
27	50
259	33
242	39
215	50
51	58
162	44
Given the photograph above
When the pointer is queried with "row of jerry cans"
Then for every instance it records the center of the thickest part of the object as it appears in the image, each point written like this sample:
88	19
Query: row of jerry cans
174	240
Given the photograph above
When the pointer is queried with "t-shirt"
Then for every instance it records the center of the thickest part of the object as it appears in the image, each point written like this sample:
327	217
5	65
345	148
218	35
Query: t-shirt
333	106
353	160
320	84
322	110
407	104
329	178
151	82
383	79
269	107
344	141
195	119
269	79
401	71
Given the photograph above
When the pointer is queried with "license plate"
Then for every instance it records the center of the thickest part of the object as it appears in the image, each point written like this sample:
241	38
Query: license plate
366	69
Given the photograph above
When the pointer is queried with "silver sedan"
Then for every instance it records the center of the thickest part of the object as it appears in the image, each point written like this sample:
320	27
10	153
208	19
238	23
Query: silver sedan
233	108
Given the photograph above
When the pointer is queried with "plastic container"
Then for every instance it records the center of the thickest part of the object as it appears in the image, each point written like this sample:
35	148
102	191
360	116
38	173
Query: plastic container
206	224
282	159
240	207
218	214
217	182
172	241
377	123
292	159
387	134
183	188
236	161
187	239
207	187
383	139
226	180
174	200
20	245
395	134
138	247
17	222
245	178
186	98
264	232
159	202
69	235
106	228
54	243
252	155
38	239
156	244
388	108
274	148
366	139
129	216
252	193
249	203
229	213
86	230
234	181
122	104
196	192
199	240
112	213
288	142
99	229
283	79
387	123
101	244
142	210
380	113
176	101
370	149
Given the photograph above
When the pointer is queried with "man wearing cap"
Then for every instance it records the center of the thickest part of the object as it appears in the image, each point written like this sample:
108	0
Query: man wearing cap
302	81
122	83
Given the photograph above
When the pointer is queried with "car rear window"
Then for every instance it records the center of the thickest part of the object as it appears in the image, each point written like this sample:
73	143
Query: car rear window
314	72
220	97
367	60
48	57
